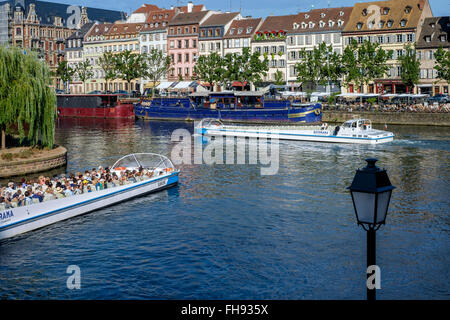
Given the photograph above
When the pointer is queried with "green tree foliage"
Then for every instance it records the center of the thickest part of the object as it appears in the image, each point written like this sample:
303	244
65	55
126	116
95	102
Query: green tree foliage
410	66
84	71
158	64
365	62
245	67
442	66
26	96
279	78
65	73
108	65
130	66
210	68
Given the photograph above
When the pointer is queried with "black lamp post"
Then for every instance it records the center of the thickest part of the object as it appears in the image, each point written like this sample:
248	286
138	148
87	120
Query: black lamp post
371	192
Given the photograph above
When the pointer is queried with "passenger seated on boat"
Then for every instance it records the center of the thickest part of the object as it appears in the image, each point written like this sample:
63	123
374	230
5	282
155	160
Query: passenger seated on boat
49	195
59	193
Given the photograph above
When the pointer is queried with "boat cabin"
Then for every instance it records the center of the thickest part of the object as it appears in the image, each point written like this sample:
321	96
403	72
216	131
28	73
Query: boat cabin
358	124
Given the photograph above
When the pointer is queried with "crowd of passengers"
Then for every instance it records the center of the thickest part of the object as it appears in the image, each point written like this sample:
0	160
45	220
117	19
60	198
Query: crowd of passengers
400	107
44	188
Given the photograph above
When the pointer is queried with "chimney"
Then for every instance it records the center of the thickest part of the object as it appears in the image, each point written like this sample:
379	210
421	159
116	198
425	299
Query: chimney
421	4
190	5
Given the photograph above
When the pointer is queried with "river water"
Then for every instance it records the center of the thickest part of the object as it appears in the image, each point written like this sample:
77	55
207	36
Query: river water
227	232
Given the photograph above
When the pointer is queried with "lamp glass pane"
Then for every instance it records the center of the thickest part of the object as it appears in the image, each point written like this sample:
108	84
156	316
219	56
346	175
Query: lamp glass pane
383	202
365	206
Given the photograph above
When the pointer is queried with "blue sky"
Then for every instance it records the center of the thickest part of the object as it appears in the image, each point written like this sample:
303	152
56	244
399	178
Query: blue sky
255	8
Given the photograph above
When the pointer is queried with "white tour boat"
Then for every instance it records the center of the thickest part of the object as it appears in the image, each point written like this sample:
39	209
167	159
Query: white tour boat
352	131
26	218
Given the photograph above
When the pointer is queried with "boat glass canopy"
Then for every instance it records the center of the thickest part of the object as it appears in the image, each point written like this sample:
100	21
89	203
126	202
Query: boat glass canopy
137	161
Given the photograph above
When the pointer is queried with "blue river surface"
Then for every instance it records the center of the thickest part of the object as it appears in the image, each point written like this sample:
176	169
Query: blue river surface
229	232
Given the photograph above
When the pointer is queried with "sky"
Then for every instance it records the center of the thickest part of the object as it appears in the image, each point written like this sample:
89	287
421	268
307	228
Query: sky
254	8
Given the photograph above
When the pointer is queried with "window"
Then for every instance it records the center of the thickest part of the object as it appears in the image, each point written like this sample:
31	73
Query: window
443	38
340	23
186	71
266	49
360	39
410	37
364	12
202	47
246	43
237	43
359	25
258	49
400	38
186	57
232	30
300	40
281	49
291	40
179	44
186	30
179	58
217	32
385	10
380	39
403	23
282	63
330	23
186	44
321	24
336	38
274	49
211	46
194	44
274	63
408	9
172	44
327	38
307	39
318	38
428	38
249	30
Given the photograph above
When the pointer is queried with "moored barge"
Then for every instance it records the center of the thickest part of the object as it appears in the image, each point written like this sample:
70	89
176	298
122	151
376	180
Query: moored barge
95	106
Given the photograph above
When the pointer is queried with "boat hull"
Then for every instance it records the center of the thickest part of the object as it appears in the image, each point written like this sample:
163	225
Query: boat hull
296	136
24	219
91	106
309	114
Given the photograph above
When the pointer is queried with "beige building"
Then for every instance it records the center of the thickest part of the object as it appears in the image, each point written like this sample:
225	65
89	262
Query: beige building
435	34
392	24
240	35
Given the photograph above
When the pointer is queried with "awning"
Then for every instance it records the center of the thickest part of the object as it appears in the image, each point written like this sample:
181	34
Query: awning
149	85
425	85
164	85
238	84
183	85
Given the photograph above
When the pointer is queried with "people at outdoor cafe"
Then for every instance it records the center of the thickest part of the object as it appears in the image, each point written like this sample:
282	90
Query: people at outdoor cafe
28	192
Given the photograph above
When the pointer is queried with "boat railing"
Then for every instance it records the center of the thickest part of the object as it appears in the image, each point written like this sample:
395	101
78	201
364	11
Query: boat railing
144	161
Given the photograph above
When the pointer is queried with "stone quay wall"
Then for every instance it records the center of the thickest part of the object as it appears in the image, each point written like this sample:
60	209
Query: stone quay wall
401	118
49	160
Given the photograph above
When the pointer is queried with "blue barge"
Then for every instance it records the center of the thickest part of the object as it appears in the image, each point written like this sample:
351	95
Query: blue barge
236	106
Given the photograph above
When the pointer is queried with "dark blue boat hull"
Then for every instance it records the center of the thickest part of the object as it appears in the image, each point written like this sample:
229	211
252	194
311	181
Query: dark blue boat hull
185	111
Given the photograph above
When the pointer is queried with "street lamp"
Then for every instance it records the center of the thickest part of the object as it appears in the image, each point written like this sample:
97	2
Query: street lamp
371	192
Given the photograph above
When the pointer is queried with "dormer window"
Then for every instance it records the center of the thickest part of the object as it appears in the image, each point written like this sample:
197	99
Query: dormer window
443	38
240	30
359	25
311	25
386	10
97	30
364	12
156	25
154	16
340	23
408	9
249	29
306	16
427	38
371	24
322	24
341	13
232	30
381	24
322	15
403	23
295	26
432	25
330	23
390	23
303	25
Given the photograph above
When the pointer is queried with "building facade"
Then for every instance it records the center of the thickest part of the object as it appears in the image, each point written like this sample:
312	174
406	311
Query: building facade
312	28
434	35
392	24
270	41
213	30
240	35
74	54
182	43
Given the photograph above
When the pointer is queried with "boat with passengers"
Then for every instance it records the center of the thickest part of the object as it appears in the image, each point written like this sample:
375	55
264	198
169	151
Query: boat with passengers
352	131
238	106
156	172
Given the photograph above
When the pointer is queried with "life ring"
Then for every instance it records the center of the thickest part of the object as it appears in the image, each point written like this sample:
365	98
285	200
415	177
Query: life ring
317	112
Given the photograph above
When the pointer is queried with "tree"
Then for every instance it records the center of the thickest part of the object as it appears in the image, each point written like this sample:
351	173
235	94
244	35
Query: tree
158	65
84	72
130	66
308	70
410	66
65	72
108	65
245	67
364	63
210	69
442	66
279	78
26	97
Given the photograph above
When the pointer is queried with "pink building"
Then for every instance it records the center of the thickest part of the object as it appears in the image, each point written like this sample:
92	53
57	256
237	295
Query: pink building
182	42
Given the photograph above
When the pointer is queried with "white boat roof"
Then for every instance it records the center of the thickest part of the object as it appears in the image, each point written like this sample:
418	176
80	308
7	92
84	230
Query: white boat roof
164	85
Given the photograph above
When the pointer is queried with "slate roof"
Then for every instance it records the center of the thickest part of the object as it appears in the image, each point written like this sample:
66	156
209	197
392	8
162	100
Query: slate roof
188	18
441	28
277	23
245	24
316	16
46	11
79	34
219	19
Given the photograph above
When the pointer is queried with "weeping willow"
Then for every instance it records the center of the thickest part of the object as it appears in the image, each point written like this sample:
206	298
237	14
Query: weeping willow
26	96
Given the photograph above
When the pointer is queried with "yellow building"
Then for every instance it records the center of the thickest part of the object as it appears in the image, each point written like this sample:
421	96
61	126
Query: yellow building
392	24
